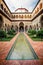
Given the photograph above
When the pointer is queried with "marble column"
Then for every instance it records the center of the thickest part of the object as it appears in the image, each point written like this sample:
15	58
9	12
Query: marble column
18	28
24	28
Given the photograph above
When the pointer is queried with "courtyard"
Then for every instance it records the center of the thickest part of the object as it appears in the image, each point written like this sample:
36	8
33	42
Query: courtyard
19	50
21	32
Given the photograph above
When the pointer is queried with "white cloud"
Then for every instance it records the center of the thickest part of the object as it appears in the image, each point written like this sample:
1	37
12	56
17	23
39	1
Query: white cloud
14	4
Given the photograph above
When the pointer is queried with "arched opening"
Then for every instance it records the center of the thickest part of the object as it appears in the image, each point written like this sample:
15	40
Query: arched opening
12	27
6	27
30	27
1	21
34	27
1	6
41	21
16	28
26	28
21	27
37	26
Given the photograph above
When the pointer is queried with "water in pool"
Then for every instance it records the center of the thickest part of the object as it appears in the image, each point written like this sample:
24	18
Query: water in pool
21	49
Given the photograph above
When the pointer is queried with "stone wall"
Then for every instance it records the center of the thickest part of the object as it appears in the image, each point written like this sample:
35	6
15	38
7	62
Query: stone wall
36	22
6	23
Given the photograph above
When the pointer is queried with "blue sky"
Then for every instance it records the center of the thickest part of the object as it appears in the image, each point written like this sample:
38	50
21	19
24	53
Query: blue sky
28	4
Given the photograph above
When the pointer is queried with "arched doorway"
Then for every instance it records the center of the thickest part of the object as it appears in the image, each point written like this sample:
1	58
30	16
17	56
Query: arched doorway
1	21
21	27
41	21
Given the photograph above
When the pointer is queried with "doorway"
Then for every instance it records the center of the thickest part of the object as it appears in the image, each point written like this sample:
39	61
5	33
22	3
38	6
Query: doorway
21	27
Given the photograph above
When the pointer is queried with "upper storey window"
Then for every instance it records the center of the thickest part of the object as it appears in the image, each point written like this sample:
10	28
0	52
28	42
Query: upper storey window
40	5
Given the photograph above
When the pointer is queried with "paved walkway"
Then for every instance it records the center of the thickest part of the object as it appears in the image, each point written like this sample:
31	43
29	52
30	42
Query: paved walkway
6	46
37	46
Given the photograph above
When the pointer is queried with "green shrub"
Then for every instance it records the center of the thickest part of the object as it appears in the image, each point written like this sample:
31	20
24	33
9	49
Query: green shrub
14	31
29	31
32	32
10	32
40	34
3	34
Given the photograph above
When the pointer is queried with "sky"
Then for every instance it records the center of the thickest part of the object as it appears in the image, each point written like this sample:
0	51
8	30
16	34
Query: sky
28	4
